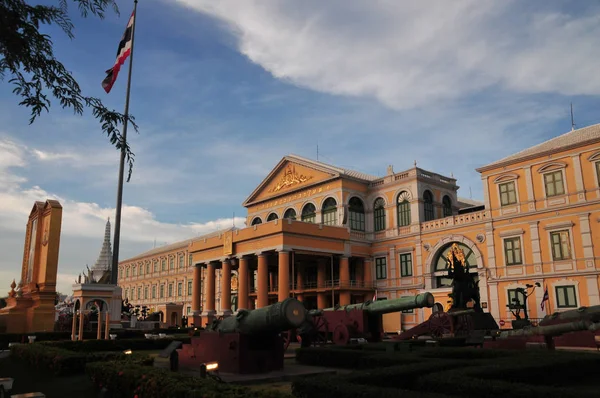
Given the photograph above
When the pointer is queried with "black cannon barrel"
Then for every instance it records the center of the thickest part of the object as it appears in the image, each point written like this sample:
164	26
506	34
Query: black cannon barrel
552	330
420	300
276	318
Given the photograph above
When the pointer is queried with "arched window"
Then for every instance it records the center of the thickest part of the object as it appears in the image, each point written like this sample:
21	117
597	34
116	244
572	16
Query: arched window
428	205
440	265
272	216
256	221
329	212
403	210
290	214
309	213
447	205
357	214
379	214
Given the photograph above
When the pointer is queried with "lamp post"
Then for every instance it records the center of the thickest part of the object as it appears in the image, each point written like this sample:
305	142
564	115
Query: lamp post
516	307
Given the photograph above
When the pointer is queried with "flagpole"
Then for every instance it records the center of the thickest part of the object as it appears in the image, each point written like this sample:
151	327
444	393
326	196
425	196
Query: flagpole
115	259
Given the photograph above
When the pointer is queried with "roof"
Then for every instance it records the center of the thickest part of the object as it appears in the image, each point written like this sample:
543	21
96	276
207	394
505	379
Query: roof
177	245
470	202
324	167
346	172
571	139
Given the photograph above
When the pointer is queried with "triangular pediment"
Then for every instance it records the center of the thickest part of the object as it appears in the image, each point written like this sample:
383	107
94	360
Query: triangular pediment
291	174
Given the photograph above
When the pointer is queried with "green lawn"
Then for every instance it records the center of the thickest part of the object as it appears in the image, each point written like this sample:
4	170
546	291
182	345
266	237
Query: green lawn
28	380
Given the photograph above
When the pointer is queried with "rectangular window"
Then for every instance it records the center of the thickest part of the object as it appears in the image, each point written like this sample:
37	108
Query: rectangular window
191	261
565	297
147	268
189	288
381	267
554	183
515	299
379	215
403	214
189	310
181	261
598	171
155	266
139	296
561	245
357	221
146	293
154	291
406	264
330	217
508	194
180	289
171	263
170	290
162	291
163	265
512	251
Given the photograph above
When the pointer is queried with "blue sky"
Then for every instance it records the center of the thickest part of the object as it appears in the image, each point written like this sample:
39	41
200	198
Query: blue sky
222	90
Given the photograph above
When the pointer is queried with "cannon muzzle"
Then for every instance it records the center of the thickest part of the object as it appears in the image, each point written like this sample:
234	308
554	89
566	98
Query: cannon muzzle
276	318
421	300
552	330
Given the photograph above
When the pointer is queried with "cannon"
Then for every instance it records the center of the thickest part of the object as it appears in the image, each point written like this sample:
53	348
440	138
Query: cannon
248	342
363	320
582	313
582	332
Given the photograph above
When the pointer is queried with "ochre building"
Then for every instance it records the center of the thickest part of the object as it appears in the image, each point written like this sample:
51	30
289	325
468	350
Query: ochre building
330	236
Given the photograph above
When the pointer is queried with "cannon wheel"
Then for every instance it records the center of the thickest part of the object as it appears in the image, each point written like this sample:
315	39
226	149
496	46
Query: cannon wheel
287	339
464	325
440	323
341	335
321	327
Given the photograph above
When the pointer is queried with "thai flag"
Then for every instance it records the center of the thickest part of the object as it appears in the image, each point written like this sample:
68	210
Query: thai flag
546	298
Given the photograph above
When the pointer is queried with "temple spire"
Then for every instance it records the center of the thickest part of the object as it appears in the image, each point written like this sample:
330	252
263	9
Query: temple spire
103	263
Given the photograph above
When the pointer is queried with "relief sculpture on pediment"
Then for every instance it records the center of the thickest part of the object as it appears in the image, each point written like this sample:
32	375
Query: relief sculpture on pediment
290	178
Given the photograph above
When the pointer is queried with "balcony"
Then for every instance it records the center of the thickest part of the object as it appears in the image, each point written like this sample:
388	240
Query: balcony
453	221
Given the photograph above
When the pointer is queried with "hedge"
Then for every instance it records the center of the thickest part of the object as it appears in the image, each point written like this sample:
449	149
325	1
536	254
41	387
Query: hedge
124	380
113	345
63	362
6	338
350	358
390	382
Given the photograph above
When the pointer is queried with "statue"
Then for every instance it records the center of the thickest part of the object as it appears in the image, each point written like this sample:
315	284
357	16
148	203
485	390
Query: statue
464	286
88	277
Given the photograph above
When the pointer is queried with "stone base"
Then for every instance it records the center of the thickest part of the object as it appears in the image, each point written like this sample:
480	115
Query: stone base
31	313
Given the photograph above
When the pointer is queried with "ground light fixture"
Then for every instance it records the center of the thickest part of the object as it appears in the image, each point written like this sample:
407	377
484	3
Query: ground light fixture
207	368
127	352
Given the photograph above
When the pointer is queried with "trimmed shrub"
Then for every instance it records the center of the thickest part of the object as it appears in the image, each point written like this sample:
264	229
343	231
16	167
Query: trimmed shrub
124	380
351	358
114	345
61	362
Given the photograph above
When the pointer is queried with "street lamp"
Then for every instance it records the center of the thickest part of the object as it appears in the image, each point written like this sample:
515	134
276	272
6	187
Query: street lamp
516	306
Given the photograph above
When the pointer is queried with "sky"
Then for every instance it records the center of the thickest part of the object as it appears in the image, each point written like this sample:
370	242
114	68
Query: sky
223	90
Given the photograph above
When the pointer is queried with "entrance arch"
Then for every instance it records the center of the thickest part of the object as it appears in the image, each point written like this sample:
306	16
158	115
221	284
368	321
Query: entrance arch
436	262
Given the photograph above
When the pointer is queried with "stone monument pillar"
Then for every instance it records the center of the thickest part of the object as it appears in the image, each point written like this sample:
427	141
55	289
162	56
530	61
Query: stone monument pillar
30	308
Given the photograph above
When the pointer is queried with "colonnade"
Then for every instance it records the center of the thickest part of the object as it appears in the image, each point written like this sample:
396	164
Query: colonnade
245	269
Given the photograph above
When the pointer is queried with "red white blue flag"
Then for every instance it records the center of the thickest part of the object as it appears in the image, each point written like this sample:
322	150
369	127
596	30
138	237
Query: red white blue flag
545	298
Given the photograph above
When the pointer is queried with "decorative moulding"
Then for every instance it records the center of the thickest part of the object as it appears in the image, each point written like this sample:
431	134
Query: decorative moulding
562	224
506	177
551	166
594	156
511	232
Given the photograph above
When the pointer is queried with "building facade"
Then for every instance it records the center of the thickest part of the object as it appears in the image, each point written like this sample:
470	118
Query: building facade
330	236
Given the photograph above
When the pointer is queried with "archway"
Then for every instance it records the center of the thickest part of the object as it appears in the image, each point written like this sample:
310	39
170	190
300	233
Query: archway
437	265
173	319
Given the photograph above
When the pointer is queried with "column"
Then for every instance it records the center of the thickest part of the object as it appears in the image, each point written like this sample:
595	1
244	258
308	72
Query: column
99	332
210	290
321	275
368	272
226	287
262	290
107	324
74	326
299	282
81	316
284	275
243	283
344	281
196	289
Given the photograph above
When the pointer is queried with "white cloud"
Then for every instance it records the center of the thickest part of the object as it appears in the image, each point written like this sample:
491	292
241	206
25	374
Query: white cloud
408	54
82	224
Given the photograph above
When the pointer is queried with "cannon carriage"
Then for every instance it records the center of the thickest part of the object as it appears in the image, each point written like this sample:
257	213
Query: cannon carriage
355	321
